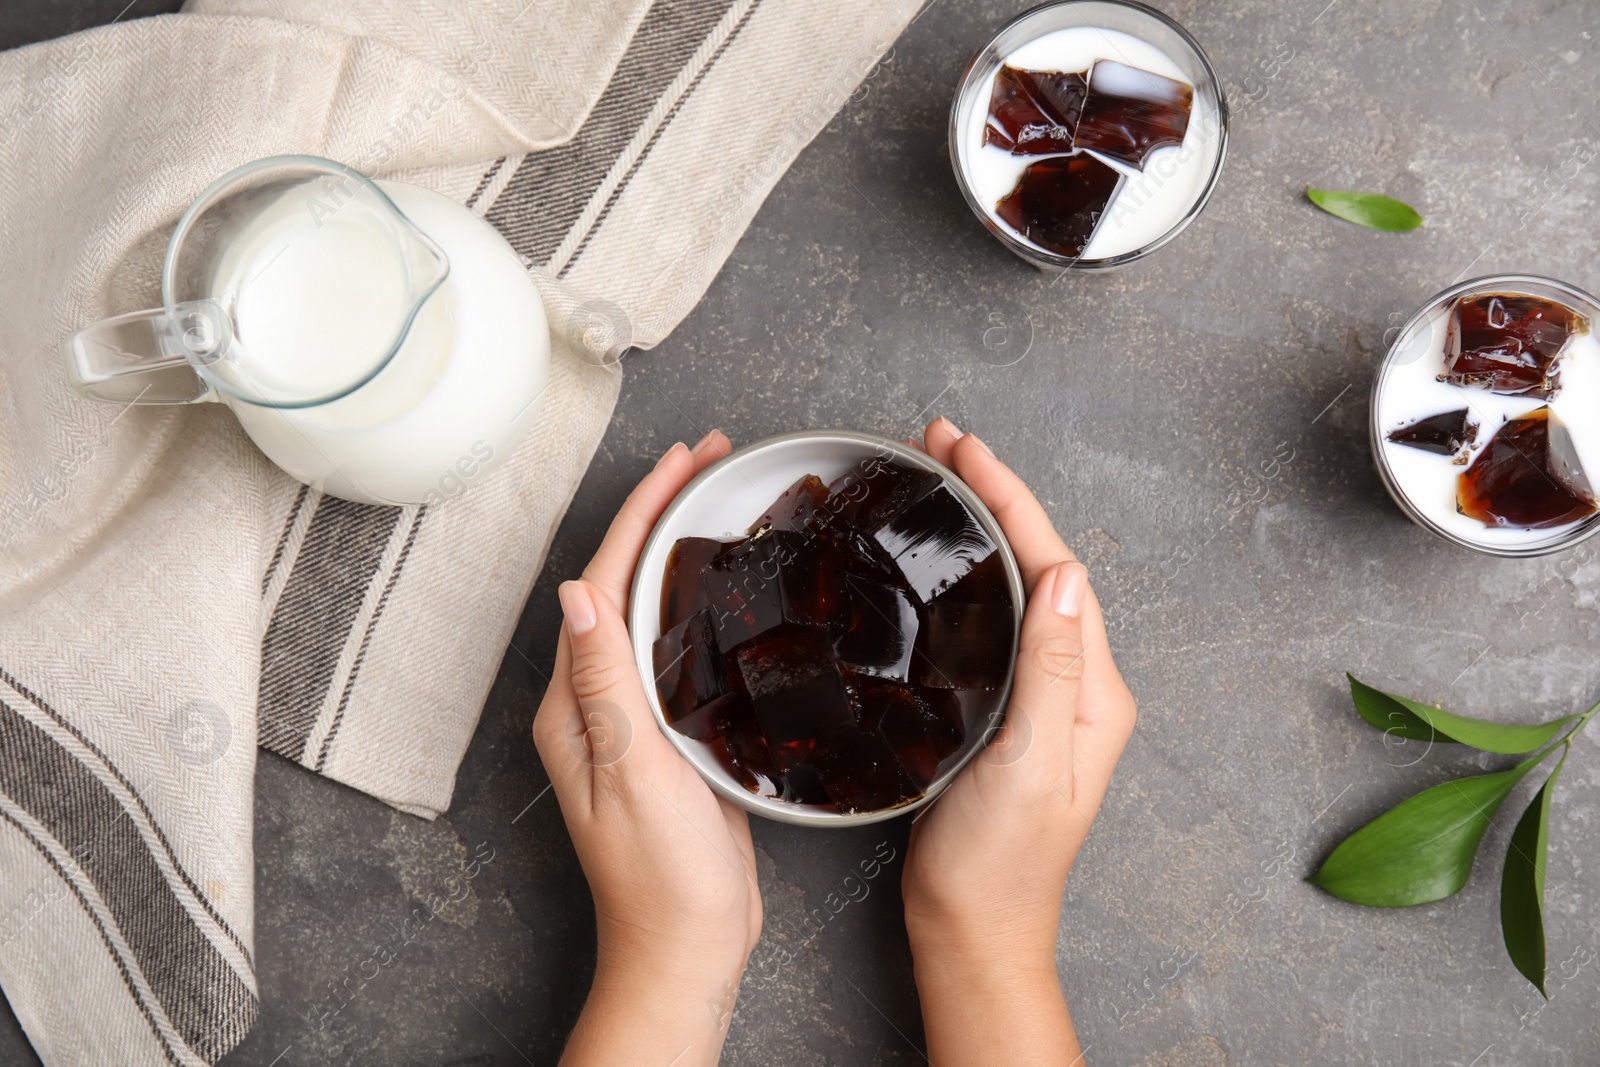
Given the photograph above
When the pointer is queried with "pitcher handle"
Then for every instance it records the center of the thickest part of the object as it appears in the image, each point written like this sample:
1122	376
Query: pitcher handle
149	357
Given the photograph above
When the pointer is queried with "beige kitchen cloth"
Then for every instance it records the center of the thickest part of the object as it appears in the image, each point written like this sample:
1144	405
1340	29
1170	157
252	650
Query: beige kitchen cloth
167	596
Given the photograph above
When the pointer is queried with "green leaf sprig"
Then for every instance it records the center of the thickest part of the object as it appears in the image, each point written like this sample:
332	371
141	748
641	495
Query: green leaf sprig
1422	850
1372	210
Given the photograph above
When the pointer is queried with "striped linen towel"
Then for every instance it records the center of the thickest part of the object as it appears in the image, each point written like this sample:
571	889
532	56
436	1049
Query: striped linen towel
167	596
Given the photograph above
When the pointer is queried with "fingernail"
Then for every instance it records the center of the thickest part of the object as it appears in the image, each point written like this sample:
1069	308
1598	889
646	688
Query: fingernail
981	444
704	441
954	430
668	453
1072	581
577	606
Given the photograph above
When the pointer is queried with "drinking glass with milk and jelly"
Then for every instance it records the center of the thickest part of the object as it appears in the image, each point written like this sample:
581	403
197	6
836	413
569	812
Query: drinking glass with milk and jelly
1485	415
377	340
1087	134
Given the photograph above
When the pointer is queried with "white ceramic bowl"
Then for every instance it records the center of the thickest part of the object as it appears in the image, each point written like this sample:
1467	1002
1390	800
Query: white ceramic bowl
721	502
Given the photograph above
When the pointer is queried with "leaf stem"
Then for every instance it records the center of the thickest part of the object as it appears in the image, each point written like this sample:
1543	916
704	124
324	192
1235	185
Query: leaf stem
1566	738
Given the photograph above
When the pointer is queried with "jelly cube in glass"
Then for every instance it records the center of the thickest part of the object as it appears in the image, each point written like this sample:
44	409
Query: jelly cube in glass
1129	113
1444	433
1509	343
1058	202
1034	112
1528	476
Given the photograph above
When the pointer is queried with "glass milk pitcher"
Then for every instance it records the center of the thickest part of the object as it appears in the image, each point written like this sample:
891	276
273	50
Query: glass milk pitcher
378	341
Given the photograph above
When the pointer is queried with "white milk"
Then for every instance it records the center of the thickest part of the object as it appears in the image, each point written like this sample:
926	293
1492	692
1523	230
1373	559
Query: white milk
456	397
1411	391
1150	202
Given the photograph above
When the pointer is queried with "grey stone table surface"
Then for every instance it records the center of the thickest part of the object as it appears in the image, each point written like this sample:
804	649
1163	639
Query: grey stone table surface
1196	426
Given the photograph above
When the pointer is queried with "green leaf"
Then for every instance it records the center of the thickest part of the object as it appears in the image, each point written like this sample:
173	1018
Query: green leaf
1419	722
1372	210
1522	885
1421	850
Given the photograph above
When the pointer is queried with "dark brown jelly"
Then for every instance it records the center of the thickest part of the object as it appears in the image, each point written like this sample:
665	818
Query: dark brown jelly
876	490
1509	343
797	689
1129	113
861	772
1035	112
800	508
846	651
780	579
907	724
935	541
689	674
963	644
744	748
1527	476
1443	433
879	629
1058	202
681	594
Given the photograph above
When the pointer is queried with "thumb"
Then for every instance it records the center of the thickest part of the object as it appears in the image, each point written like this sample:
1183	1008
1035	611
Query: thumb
1050	668
604	677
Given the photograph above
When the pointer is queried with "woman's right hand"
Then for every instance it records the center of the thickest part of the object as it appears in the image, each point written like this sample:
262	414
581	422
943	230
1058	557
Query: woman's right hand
988	860
670	864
